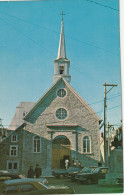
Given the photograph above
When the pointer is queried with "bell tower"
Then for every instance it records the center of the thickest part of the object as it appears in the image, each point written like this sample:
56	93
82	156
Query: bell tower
61	64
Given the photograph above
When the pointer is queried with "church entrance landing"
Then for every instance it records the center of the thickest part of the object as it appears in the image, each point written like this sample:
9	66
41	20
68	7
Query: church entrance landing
61	150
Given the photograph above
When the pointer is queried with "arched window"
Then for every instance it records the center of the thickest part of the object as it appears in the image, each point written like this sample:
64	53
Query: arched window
86	144
61	140
37	144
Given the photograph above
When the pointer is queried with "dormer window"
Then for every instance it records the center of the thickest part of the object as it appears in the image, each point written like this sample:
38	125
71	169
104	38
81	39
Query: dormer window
61	69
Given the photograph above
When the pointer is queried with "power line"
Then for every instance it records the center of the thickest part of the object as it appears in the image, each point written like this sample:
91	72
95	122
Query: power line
86	43
97	47
79	107
42	46
103	100
114	107
106	6
85	75
114	97
35	42
73	116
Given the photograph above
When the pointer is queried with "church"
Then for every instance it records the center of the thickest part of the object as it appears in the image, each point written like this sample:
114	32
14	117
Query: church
59	126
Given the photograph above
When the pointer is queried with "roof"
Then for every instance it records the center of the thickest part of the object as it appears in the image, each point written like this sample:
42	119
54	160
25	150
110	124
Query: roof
13	181
83	102
72	90
64	125
21	111
61	50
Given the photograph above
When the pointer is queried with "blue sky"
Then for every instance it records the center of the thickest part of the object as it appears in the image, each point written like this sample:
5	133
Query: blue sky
29	39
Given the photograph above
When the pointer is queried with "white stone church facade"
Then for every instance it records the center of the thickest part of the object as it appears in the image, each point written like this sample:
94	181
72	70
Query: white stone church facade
59	125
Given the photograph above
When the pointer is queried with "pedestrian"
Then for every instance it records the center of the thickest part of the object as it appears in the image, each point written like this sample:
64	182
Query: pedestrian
38	171
66	163
79	164
31	172
99	164
74	162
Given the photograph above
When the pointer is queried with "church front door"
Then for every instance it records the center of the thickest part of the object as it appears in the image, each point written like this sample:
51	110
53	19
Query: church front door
60	152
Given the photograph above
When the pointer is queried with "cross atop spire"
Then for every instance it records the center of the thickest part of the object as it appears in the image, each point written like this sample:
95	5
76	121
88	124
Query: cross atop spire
62	14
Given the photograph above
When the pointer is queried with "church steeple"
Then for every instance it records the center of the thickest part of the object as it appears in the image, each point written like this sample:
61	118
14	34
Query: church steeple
61	50
61	64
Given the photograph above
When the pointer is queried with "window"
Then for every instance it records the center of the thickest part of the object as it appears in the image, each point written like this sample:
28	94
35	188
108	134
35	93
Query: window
14	138
20	188
9	165
12	165
37	144
13	150
13	189
61	93
86	145
61	69
15	165
61	113
27	187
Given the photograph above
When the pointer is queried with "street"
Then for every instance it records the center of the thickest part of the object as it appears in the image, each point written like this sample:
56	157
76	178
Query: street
85	189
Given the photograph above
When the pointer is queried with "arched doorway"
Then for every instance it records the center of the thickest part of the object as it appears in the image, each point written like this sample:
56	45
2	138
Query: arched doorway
60	151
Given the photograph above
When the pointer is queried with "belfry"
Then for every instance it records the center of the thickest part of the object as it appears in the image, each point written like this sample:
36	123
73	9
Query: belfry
61	64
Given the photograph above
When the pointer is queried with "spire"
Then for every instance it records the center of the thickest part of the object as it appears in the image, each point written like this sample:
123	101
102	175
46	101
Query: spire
61	50
61	64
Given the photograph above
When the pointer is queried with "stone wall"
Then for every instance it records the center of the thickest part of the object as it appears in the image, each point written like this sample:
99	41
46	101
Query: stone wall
44	113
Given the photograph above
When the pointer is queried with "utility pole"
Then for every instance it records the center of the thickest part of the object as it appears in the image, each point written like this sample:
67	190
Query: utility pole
109	140
105	106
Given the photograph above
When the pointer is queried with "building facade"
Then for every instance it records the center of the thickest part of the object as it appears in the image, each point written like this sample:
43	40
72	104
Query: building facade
59	126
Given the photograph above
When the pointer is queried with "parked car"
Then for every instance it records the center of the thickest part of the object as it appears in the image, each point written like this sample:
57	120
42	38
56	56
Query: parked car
64	173
4	171
7	176
10	176
72	175
119	181
93	177
32	187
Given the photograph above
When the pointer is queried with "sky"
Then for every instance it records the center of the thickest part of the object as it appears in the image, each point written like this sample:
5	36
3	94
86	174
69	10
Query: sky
29	40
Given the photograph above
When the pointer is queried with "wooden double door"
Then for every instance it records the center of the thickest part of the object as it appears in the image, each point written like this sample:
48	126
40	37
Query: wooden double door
59	154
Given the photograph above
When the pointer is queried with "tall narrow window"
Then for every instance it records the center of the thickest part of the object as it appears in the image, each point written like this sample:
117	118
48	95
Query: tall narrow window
37	144
13	150
86	145
61	69
14	138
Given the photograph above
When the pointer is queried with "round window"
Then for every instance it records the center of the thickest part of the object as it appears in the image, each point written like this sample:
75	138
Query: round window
61	113
61	93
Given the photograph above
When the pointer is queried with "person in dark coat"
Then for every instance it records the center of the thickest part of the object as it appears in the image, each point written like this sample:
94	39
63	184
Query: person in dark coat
38	171
31	172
